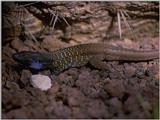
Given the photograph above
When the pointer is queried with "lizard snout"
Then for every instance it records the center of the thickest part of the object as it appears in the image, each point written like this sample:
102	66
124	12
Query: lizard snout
20	57
15	56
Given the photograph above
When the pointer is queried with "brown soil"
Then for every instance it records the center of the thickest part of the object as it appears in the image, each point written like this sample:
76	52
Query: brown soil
124	90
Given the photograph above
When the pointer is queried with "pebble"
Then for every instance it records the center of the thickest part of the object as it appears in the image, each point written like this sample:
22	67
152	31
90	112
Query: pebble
41	82
17	44
25	76
130	70
115	104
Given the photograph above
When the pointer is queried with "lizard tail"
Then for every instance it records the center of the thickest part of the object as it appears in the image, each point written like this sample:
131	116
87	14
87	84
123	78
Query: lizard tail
132	55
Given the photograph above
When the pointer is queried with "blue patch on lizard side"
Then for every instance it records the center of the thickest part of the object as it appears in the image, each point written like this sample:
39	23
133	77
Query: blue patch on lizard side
36	65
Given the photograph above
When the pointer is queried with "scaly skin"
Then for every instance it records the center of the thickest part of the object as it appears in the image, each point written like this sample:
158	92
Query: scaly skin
80	55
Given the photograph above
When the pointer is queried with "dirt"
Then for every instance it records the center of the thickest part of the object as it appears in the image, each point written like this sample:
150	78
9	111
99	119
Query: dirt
123	90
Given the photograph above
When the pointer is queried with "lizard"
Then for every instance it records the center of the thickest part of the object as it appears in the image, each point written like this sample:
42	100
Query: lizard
80	55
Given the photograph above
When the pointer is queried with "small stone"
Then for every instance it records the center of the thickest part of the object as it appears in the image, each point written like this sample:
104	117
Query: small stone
8	51
114	102
41	81
130	70
31	44
24	48
12	85
25	76
80	38
115	87
17	44
52	43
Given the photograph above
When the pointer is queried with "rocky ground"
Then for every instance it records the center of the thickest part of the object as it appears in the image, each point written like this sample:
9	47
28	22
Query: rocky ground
124	90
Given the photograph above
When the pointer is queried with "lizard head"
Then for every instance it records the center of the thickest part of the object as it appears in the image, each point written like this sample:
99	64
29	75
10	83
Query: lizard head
33	60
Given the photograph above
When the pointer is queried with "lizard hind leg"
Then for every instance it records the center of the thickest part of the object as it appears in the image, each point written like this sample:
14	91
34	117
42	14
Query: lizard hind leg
97	62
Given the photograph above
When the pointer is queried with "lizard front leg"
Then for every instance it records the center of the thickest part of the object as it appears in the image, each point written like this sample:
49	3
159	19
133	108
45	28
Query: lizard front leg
97	62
